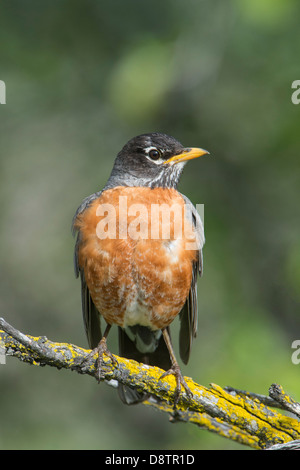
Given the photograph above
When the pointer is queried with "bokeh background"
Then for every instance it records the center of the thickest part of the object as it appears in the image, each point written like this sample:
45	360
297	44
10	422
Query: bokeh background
82	78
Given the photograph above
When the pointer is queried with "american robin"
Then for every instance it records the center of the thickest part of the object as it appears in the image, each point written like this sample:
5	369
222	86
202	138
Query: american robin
138	253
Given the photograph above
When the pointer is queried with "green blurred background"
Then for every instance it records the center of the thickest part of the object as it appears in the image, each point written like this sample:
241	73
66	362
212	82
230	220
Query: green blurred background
82	78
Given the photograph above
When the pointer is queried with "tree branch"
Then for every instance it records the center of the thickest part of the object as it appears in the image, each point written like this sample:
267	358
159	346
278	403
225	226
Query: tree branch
243	417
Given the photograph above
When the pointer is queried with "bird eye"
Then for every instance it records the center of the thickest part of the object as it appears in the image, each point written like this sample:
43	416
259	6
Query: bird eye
154	154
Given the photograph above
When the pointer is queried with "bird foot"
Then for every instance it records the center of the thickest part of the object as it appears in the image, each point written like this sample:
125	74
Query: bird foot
100	350
175	370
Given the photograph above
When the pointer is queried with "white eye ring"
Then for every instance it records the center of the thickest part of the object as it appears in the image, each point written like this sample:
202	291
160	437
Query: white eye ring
153	158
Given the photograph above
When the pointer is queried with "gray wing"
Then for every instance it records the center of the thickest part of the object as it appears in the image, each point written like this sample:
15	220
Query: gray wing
189	313
91	316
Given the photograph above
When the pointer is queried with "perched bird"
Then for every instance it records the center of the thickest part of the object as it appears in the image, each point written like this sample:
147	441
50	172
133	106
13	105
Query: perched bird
138	253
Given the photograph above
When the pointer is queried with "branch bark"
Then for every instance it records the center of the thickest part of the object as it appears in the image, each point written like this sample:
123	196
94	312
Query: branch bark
243	417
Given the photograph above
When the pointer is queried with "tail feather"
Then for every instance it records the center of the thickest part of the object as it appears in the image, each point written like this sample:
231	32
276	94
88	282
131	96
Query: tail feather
142	345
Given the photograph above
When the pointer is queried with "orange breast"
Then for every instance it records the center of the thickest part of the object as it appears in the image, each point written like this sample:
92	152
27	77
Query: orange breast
135	256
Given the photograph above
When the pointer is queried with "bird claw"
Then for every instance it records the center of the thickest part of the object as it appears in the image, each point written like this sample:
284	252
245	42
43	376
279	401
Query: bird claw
175	370
100	350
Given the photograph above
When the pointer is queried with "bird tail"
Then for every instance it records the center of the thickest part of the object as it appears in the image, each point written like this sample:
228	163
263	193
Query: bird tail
142	345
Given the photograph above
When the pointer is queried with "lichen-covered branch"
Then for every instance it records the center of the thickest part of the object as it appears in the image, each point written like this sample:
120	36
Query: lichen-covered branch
237	415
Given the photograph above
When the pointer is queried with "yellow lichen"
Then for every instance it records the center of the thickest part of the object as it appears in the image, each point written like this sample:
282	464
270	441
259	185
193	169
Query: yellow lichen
237	417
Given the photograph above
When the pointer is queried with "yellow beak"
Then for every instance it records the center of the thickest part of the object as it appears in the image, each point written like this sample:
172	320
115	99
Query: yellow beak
187	154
